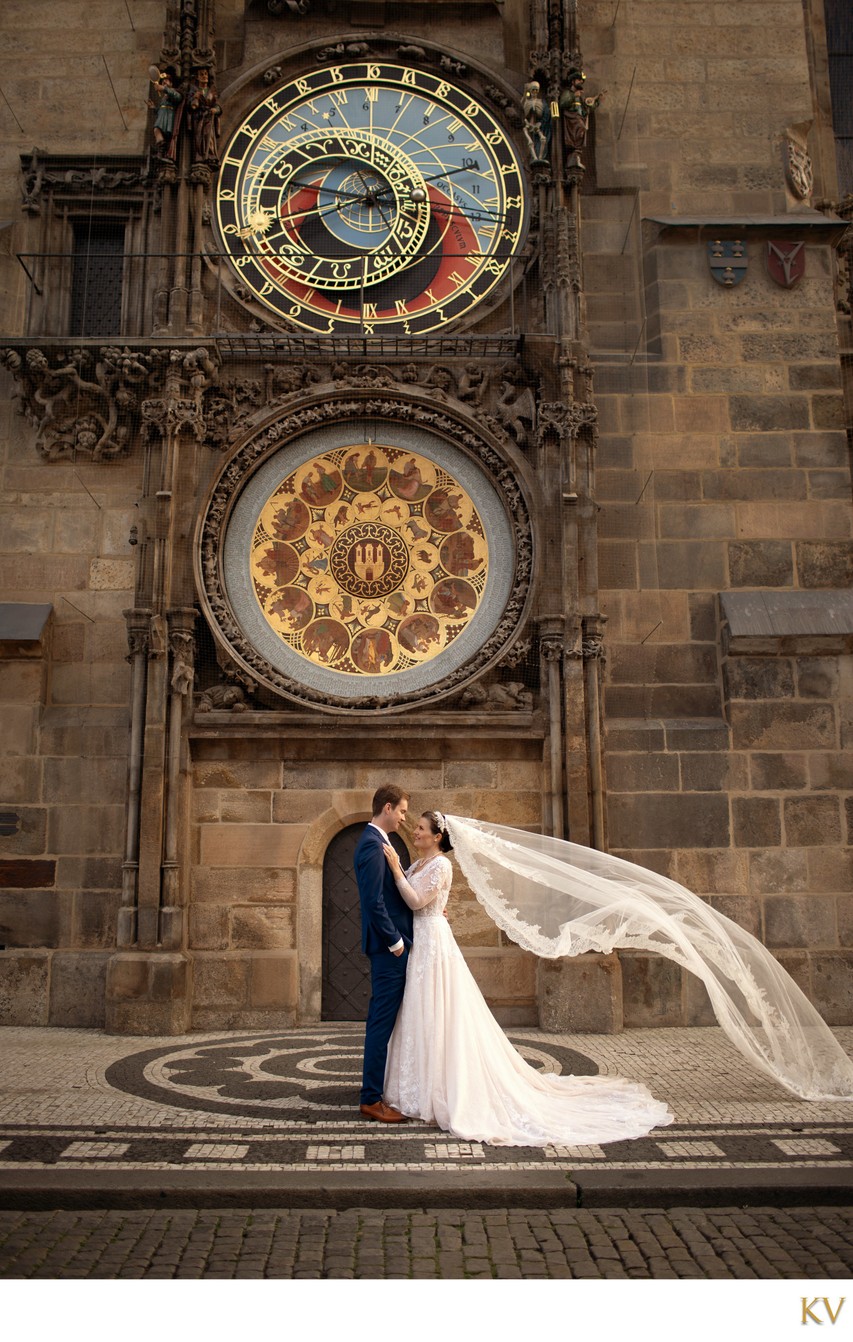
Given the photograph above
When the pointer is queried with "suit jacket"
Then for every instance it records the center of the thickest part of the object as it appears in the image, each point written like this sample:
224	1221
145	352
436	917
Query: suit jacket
385	916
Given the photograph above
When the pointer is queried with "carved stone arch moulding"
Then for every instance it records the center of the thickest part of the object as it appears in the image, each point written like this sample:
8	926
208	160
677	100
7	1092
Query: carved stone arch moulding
364	553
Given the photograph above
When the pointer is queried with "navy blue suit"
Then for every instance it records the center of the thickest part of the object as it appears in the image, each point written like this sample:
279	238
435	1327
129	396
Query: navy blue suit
385	918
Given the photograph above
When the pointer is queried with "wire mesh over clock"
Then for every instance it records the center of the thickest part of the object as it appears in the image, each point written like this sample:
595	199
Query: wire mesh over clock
365	563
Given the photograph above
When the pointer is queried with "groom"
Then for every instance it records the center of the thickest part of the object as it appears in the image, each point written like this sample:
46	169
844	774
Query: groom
386	936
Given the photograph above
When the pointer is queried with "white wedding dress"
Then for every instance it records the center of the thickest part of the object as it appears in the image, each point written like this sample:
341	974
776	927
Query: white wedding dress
449	1061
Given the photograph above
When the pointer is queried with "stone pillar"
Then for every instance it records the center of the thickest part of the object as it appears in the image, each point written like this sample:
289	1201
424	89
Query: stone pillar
138	624
593	656
173	894
149	982
552	658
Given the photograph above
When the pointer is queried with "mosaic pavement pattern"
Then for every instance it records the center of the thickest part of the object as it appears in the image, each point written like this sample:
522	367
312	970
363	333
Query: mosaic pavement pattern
287	1101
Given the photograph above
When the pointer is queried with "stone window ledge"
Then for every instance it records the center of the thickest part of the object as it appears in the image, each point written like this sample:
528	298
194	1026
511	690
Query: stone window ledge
24	629
772	623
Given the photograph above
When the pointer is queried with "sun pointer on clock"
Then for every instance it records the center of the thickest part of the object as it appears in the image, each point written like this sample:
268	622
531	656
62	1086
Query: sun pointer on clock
258	221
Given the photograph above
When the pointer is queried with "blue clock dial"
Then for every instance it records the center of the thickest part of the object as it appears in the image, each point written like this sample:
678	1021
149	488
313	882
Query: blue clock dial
371	195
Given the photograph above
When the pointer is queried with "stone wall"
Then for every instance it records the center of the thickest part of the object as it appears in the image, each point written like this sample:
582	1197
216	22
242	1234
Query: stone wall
264	812
64	742
722	465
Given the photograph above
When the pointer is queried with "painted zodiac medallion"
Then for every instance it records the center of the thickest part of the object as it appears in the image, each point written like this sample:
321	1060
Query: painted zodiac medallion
369	559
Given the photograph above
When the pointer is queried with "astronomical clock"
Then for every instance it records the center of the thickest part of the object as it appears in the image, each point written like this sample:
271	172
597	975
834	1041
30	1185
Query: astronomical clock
361	552
370	195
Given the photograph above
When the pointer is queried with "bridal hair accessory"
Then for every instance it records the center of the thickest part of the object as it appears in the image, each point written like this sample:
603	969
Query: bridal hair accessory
439	820
557	898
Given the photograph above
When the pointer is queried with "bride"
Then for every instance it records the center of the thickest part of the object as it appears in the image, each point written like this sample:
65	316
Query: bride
449	1061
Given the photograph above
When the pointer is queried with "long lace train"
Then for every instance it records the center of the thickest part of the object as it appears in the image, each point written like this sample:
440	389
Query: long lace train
557	898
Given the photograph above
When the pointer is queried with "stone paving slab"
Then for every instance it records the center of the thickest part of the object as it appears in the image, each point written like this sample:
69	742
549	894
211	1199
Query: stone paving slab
272	1119
680	1243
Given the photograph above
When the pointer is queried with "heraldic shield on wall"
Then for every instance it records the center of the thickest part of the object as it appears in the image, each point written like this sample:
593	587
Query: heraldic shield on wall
359	562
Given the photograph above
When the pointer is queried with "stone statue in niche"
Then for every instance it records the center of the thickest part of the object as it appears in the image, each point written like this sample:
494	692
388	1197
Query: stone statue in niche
204	117
536	123
165	103
575	110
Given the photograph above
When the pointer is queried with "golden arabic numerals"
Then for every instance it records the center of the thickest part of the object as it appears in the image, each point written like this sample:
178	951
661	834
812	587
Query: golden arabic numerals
230	228
494	137
336	75
227	195
303	86
495	267
374	71
513	202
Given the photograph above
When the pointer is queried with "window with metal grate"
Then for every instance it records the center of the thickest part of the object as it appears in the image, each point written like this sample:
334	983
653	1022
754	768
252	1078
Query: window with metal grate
96	286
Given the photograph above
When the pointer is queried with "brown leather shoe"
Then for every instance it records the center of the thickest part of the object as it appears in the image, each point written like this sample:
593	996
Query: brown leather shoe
382	1112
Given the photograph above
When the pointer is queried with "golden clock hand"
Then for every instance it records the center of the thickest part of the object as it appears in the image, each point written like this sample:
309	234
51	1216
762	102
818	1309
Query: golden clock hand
437	175
477	216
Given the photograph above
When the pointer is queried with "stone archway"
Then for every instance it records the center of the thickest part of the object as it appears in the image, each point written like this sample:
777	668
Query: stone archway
346	970
330	831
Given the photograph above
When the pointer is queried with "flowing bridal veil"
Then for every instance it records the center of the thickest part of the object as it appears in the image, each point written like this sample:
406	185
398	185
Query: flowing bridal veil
556	898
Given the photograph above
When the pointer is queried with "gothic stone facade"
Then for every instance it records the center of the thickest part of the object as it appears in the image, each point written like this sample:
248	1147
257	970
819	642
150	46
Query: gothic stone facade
650	397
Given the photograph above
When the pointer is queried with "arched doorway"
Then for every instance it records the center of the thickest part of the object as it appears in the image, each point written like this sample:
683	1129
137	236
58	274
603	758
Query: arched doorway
346	971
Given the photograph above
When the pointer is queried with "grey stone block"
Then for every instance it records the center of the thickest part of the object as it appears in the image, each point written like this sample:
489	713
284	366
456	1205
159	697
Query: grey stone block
30	917
759	678
651	990
582	993
77	987
757	822
825	563
669	820
24	979
812	820
832	986
799	921
761	563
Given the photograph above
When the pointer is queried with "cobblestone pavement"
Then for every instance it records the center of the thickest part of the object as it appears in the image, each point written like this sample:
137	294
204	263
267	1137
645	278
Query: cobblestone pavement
81	1110
678	1243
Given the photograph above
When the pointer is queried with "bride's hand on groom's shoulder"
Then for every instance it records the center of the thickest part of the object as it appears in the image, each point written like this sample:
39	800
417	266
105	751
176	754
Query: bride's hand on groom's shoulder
391	858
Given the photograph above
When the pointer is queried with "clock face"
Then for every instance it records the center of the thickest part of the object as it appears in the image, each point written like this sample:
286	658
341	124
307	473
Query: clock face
363	560
370	196
369	560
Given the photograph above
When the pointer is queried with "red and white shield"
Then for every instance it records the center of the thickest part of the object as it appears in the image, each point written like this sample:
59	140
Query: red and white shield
786	262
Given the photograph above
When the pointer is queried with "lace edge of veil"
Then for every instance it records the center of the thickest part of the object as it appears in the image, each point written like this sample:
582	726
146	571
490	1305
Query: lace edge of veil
794	1045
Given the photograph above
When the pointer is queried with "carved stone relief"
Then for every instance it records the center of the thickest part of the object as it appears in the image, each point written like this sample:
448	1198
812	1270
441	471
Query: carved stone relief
85	401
